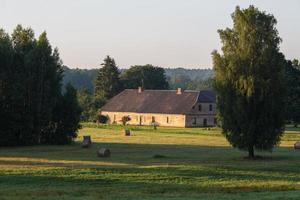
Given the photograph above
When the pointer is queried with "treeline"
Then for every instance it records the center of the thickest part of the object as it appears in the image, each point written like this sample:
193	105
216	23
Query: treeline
191	79
80	78
292	95
33	109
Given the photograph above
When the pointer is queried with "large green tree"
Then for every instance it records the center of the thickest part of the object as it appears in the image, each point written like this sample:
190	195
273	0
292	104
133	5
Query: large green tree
249	80
292	72
146	76
65	119
9	92
107	83
30	87
87	103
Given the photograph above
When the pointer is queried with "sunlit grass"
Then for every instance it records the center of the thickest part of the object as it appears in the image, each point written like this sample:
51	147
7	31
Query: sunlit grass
168	163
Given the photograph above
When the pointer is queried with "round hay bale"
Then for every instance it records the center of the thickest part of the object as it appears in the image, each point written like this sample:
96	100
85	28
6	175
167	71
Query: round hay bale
126	132
86	141
103	152
297	145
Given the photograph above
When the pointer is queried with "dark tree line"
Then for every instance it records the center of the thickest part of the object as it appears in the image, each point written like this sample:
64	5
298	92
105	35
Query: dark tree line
184	81
191	79
292	77
33	108
81	79
146	76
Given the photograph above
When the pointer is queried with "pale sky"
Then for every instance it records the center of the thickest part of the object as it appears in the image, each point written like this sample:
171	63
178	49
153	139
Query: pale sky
166	33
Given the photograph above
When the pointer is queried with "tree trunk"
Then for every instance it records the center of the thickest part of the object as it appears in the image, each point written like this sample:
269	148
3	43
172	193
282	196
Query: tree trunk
251	152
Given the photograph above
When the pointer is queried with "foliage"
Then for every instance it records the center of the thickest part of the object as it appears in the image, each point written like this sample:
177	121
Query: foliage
102	119
206	84
87	103
179	81
30	87
292	77
193	79
125	120
154	125
249	81
66	118
193	74
107	83
81	79
146	76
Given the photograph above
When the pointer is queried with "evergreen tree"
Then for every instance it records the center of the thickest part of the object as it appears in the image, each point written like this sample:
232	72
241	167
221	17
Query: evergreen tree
24	43
30	91
45	84
249	81
107	83
86	102
146	76
8	92
64	125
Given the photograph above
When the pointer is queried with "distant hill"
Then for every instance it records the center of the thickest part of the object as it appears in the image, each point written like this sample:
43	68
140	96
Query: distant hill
177	77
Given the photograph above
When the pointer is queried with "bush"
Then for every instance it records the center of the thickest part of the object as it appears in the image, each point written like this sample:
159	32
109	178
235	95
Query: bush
125	119
102	119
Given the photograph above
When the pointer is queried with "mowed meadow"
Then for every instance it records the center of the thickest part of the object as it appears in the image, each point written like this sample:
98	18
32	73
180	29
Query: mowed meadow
167	163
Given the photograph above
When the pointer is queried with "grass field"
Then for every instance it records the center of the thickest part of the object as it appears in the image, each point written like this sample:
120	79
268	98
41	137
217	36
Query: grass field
169	163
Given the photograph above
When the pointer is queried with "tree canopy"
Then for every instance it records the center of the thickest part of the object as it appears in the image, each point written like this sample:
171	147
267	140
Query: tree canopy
30	87
146	76
292	73
249	79
107	83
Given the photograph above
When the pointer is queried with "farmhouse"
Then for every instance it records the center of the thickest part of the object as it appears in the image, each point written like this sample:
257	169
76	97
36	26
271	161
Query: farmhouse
178	108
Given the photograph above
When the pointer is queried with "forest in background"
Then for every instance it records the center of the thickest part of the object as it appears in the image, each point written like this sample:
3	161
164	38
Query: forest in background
193	79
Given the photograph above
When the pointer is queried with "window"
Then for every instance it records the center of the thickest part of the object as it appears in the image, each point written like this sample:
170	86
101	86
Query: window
200	107
167	119
210	107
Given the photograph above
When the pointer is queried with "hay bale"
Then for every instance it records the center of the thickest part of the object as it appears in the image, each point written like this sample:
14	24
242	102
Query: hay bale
297	145
126	132
86	141
103	152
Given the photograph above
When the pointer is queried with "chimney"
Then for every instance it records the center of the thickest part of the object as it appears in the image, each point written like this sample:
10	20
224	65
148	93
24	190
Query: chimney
179	91
140	89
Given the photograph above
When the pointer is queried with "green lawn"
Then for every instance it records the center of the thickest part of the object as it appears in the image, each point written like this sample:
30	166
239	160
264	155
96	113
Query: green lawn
169	163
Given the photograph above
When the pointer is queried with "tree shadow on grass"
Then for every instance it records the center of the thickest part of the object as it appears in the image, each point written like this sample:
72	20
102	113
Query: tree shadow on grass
130	153
145	182
186	162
